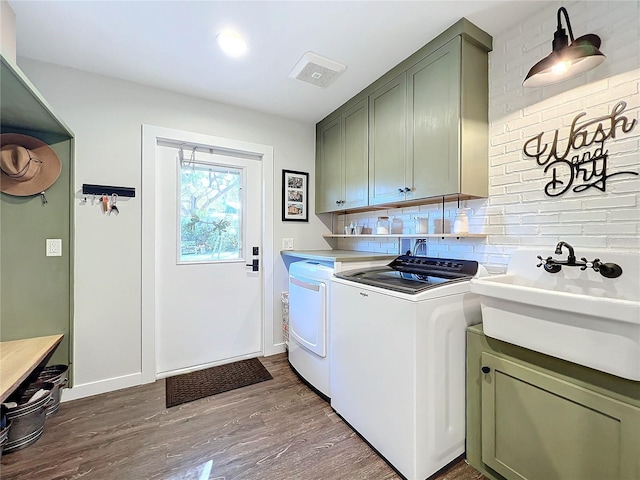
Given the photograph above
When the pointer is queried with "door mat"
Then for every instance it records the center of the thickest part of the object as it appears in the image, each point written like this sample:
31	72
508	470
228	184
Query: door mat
214	380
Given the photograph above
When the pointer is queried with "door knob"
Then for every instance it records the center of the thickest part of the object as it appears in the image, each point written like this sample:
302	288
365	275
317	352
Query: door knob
485	369
255	265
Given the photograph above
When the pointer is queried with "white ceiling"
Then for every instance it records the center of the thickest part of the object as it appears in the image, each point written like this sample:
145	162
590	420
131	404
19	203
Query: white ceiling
171	44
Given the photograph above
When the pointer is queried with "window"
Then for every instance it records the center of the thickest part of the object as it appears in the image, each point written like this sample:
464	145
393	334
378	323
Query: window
211	202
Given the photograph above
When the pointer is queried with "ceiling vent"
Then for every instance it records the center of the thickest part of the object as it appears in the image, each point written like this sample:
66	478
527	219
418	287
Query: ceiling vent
316	70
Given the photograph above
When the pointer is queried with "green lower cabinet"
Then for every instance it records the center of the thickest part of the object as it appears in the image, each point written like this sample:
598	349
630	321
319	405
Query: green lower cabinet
528	418
536	426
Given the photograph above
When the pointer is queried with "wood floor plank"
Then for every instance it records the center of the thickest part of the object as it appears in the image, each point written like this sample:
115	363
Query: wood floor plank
276	430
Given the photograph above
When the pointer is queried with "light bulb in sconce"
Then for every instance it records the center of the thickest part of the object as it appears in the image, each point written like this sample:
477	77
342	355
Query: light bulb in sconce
561	67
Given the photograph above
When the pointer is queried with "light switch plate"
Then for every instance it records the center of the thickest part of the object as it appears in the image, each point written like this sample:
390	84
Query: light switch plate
54	247
287	244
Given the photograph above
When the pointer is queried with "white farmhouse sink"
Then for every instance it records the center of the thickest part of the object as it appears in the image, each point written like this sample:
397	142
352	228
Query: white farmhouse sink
577	315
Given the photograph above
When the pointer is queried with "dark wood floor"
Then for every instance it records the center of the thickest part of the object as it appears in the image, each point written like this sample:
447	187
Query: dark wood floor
273	430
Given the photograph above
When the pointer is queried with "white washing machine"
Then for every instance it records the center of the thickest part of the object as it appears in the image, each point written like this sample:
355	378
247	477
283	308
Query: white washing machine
398	358
309	297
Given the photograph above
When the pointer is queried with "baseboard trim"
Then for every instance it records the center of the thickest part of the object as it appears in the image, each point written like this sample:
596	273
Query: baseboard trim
102	386
195	368
275	349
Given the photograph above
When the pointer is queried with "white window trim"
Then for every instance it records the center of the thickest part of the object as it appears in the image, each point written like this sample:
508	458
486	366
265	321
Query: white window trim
243	220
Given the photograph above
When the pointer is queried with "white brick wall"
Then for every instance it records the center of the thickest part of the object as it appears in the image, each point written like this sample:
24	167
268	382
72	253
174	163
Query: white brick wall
591	218
517	211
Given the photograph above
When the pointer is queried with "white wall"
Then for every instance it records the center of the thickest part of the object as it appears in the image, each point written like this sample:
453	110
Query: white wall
106	116
517	211
8	31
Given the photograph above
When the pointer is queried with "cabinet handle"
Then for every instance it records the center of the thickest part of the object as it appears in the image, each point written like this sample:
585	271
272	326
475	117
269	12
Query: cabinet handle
485	369
400	190
407	189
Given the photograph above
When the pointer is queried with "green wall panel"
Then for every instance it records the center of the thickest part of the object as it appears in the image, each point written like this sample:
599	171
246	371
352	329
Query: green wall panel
36	291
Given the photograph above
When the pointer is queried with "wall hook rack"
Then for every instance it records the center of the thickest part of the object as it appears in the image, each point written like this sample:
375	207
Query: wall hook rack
91	189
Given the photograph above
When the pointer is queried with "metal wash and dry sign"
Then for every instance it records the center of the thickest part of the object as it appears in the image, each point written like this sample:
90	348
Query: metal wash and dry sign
582	162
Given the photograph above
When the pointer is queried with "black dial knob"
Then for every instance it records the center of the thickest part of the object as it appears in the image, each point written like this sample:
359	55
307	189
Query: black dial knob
485	369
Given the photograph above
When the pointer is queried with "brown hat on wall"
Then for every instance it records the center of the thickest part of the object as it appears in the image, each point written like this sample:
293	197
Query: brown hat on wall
28	165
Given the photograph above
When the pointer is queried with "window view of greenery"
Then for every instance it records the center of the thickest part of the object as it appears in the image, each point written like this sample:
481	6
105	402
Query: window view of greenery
210	213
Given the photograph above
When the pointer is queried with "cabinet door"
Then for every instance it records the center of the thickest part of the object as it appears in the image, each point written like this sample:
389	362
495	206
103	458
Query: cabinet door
387	142
433	121
329	168
536	426
355	129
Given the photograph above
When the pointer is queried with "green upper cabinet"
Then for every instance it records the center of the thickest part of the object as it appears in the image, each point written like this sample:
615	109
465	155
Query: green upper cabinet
388	142
354	139
329	173
427	126
427	138
341	159
433	94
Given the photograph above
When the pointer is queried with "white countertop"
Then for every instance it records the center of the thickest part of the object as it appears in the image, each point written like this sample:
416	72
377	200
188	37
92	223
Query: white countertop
338	255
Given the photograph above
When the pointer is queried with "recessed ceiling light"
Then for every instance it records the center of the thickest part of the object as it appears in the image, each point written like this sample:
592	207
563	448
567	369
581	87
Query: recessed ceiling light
232	43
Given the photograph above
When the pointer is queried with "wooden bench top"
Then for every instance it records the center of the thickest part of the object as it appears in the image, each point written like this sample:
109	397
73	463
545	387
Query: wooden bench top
18	358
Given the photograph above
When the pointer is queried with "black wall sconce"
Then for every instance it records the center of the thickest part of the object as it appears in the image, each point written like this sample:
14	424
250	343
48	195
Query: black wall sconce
566	60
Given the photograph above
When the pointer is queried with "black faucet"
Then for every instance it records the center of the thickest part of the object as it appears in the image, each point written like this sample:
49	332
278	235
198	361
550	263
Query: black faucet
571	259
609	270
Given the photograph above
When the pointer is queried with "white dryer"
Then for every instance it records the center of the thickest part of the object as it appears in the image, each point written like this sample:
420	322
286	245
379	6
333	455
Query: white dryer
309	296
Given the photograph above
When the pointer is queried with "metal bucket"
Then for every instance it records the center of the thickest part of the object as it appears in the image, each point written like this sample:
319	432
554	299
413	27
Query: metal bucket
27	418
56	374
4	434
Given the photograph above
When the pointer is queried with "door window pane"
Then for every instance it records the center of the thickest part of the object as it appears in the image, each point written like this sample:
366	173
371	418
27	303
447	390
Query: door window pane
210	213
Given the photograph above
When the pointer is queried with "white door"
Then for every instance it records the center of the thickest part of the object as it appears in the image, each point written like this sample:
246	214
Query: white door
208	302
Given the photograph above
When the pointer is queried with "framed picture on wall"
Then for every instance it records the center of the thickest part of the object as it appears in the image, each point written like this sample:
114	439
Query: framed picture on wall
295	199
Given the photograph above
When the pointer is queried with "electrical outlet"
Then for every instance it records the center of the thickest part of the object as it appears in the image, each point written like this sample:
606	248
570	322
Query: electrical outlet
54	247
287	244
